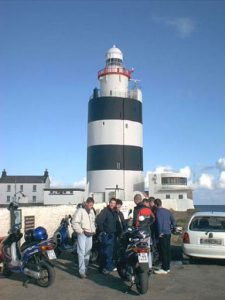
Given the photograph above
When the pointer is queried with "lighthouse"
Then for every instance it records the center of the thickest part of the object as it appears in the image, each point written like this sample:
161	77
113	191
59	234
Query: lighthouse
115	138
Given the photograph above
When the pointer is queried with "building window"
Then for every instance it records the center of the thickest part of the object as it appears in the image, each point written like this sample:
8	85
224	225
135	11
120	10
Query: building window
181	196
167	196
8	188
34	188
34	199
174	181
21	188
8	198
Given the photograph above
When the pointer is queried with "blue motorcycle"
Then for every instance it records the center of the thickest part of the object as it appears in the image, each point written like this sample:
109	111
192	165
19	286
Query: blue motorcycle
62	239
31	259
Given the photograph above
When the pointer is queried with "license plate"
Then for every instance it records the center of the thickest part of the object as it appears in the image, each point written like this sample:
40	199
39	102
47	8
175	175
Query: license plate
211	242
142	257
51	254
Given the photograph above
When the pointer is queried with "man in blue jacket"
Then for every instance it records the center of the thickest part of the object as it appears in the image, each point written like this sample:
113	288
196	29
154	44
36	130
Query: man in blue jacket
164	221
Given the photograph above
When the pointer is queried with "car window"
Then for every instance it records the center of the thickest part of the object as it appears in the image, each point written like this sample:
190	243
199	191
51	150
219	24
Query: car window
209	223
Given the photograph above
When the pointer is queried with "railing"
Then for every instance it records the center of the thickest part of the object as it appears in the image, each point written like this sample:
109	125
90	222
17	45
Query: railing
130	94
121	71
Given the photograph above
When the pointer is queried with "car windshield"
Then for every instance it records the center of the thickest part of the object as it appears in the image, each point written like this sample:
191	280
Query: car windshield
208	223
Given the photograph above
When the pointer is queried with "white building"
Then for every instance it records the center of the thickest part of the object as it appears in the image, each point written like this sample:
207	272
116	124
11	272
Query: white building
115	137
172	188
63	196
25	189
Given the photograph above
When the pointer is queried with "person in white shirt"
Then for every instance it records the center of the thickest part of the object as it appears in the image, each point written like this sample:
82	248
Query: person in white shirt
83	223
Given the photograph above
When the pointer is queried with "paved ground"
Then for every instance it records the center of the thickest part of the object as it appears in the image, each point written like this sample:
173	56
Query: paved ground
202	280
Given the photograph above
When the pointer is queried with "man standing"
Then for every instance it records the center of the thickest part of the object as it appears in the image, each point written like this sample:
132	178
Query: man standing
121	223
164	220
139	205
83	223
106	222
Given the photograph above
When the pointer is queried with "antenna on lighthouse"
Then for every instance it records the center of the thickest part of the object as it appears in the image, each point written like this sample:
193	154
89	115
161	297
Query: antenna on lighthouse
136	82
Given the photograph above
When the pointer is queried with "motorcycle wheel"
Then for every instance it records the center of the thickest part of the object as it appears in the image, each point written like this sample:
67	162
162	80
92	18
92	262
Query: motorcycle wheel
47	274
121	269
6	272
141	280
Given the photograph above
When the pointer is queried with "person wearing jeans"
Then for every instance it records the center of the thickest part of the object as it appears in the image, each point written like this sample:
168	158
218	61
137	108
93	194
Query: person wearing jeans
165	221
106	226
83	223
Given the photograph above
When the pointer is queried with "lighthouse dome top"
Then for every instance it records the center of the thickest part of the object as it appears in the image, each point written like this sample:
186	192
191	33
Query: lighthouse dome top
114	52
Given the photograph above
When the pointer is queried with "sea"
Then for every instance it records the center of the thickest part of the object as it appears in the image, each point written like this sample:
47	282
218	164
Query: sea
210	207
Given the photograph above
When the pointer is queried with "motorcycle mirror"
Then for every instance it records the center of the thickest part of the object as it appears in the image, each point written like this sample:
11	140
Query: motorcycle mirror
141	218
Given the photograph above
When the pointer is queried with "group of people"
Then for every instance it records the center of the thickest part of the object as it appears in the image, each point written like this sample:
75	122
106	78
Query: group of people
109	225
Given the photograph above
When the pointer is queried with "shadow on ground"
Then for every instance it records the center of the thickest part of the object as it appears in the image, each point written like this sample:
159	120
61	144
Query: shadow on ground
69	263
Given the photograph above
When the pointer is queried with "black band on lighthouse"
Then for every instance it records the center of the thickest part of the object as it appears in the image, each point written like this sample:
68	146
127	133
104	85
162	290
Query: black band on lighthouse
114	108
114	157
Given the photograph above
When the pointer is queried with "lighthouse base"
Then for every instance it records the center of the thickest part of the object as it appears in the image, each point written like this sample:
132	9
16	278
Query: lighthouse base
121	184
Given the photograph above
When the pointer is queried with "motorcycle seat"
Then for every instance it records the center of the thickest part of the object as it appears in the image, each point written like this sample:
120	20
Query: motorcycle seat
26	245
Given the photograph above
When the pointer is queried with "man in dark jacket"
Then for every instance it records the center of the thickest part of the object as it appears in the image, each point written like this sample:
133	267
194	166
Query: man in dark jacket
106	223
121	226
121	223
164	221
139	205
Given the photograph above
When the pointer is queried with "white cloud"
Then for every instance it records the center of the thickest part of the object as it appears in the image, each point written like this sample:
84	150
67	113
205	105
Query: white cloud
221	164
186	171
162	169
222	180
80	183
184	26
55	182
206	181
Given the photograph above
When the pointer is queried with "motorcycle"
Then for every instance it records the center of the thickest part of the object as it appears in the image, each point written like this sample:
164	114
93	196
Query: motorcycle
62	239
132	265
31	259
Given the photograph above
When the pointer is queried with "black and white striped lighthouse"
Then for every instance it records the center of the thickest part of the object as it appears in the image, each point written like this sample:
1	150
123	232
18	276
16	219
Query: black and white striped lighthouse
115	139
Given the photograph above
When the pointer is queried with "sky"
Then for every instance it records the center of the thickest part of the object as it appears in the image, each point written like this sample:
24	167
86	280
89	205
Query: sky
50	53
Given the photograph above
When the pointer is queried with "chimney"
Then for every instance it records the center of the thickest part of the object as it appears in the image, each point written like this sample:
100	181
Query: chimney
4	174
46	174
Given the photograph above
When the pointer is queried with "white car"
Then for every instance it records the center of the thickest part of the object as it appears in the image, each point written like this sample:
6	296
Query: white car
204	235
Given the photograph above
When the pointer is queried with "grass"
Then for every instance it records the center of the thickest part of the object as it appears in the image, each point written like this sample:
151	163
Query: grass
181	218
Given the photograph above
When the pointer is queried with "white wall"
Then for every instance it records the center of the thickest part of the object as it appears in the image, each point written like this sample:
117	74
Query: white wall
75	198
46	216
